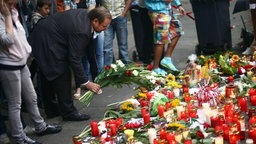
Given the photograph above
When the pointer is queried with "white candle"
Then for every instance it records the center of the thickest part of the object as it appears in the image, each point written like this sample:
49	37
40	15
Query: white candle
219	140
151	135
176	92
179	110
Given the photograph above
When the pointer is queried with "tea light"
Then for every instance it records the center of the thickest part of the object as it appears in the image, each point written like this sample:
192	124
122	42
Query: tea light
185	133
219	140
179	110
178	136
151	135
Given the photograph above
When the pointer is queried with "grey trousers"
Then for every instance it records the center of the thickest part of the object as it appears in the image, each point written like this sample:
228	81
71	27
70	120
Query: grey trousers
17	85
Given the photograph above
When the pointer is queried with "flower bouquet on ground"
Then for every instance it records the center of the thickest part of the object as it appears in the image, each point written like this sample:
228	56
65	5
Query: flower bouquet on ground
118	74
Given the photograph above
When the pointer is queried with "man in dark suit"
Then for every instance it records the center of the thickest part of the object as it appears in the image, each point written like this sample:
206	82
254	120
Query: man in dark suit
58	43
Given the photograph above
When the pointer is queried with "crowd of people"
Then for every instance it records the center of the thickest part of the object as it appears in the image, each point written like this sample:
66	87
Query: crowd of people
55	40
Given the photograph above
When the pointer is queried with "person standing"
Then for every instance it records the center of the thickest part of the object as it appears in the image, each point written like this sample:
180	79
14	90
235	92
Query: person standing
118	10
58	46
167	30
15	77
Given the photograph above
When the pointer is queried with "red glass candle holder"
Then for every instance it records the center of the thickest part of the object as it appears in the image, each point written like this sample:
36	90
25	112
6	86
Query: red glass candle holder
253	100
186	97
160	109
94	128
146	118
170	136
234	137
162	133
242	103
77	140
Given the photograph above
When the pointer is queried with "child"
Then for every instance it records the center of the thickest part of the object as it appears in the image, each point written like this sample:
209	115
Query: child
43	8
166	31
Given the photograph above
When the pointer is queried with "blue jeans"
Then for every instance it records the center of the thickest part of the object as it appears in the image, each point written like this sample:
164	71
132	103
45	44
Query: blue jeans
118	26
99	55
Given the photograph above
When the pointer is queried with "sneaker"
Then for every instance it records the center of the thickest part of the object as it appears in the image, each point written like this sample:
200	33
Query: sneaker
4	139
50	129
160	71
29	130
247	51
27	140
167	62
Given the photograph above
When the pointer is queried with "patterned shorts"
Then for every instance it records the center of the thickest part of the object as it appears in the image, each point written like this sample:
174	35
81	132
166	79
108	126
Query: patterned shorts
166	27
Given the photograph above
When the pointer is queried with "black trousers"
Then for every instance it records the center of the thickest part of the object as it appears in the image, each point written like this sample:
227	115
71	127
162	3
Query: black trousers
57	95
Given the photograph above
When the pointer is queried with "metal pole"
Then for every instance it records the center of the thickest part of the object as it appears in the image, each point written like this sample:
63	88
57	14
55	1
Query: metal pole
253	13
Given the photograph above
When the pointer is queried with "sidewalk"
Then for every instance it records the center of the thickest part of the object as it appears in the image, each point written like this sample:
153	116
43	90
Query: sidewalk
185	47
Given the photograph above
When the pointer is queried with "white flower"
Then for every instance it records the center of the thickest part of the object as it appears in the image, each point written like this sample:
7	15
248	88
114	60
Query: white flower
114	66
120	63
135	73
192	58
135	102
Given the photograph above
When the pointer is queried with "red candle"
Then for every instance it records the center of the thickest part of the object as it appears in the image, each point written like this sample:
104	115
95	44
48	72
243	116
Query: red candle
186	97
94	128
143	111
160	110
242	103
183	115
214	121
188	141
168	105
226	131
172	142
77	140
146	118
189	107
170	94
193	113
221	120
218	128
235	116
113	129
253	100
162	133
143	103
234	137
252	120
185	89
170	136
156	140
229	120
119	122
149	95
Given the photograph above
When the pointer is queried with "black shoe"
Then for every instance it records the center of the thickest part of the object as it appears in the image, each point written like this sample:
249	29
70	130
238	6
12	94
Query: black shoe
50	129
76	117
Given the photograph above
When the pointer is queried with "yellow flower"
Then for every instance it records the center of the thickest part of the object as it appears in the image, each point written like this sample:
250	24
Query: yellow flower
170	77
127	106
142	94
202	56
235	58
176	126
133	97
175	102
207	62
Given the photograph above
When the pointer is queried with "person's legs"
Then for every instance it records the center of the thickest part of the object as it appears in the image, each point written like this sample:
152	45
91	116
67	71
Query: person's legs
175	32
30	99
51	108
11	84
108	44
99	51
122	38
148	45
4	139
161	23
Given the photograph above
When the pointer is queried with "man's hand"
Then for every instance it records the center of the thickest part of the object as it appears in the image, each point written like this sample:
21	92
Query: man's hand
93	87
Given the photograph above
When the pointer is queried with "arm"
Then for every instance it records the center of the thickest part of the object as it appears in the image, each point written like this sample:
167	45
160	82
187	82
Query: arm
6	29
127	7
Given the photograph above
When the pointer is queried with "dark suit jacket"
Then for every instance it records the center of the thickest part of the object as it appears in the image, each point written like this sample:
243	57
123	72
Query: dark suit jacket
59	42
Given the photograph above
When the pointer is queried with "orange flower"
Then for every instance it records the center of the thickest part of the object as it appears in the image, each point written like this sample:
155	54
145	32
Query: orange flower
235	58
